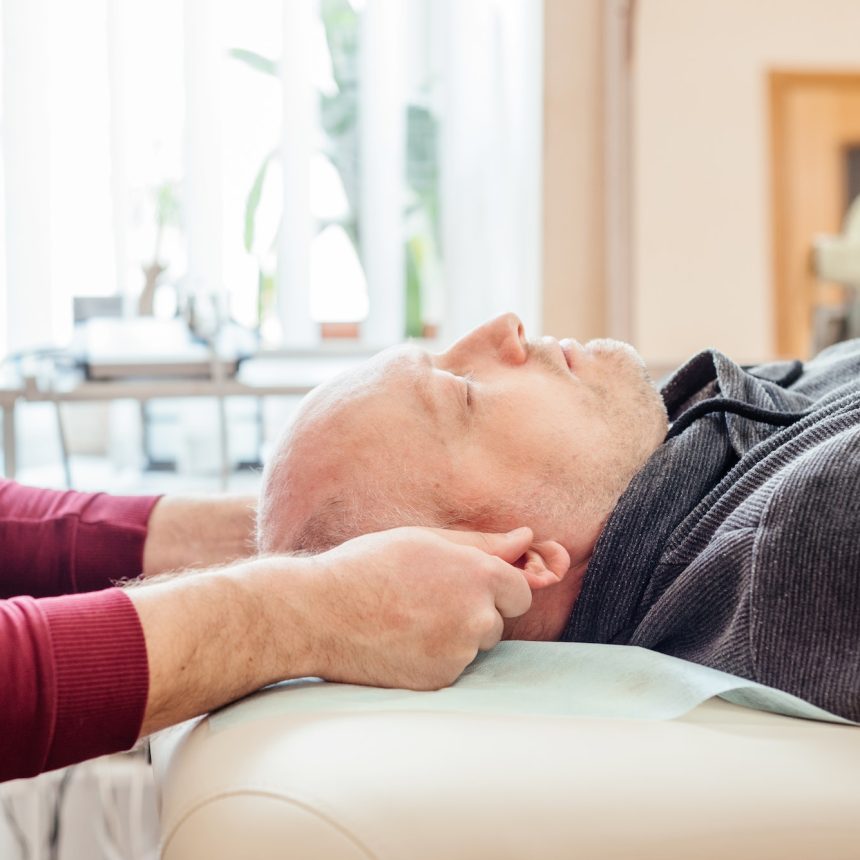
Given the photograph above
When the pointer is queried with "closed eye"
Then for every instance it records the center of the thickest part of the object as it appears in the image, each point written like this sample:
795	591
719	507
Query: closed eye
467	379
461	392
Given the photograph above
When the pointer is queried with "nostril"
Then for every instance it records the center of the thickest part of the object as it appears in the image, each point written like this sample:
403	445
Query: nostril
510	336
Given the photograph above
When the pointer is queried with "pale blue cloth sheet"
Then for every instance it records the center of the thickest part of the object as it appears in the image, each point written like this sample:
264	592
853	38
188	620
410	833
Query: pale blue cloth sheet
547	678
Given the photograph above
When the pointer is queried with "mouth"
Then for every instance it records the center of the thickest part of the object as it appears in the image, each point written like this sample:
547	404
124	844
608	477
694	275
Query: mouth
572	350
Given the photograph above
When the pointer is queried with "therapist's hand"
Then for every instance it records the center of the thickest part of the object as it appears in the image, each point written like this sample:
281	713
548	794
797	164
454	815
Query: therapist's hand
412	607
408	607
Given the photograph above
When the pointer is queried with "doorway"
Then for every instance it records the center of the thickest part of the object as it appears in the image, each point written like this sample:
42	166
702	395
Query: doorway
815	141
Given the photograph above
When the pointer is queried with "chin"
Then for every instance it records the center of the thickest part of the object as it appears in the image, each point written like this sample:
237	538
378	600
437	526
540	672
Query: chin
633	400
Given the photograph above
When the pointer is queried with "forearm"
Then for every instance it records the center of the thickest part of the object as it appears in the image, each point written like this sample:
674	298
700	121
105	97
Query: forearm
405	608
197	532
215	636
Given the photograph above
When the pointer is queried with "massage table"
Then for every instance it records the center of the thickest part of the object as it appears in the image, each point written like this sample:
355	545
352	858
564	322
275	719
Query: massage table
541	750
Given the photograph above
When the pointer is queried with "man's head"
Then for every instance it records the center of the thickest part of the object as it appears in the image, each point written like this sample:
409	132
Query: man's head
494	433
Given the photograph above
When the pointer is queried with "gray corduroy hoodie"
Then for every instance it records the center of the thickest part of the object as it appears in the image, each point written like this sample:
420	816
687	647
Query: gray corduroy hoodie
737	545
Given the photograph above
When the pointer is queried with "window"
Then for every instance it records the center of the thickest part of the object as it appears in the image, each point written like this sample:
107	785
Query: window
368	167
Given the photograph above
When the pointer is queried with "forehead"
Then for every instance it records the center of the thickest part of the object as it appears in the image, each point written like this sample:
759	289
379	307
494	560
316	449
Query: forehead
405	372
381	420
396	377
391	385
402	364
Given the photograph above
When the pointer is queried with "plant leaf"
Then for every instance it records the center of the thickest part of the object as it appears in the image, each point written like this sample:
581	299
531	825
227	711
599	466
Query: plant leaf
256	61
252	202
414	322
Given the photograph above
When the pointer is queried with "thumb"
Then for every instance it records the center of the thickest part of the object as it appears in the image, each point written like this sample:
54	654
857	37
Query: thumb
508	546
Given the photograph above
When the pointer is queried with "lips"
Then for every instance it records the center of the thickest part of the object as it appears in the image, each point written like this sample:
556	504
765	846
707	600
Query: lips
572	350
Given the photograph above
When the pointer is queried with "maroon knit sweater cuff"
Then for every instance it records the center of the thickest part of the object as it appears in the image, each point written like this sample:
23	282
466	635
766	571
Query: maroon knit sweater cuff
101	674
109	540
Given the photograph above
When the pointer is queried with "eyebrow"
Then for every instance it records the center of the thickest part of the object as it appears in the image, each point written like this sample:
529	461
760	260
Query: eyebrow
425	389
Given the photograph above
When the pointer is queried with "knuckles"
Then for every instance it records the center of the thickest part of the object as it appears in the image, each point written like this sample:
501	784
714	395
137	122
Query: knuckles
421	607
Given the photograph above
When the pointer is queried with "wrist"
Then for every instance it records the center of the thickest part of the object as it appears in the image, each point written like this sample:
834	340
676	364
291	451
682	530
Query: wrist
287	612
214	636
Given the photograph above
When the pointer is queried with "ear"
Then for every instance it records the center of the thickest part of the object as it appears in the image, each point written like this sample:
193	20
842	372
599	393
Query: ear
544	564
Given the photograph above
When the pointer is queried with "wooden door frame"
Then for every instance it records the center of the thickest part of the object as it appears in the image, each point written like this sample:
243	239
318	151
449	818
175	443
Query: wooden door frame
781	83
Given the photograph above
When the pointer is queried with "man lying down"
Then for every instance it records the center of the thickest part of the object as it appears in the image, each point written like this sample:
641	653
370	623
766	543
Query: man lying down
732	540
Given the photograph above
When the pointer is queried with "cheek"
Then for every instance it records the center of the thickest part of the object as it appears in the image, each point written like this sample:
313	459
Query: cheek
527	434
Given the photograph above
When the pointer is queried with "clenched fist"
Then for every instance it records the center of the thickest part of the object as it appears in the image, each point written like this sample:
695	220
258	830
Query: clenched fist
411	607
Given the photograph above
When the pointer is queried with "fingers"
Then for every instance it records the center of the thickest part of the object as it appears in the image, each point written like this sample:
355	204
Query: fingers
510	589
507	546
543	563
547	555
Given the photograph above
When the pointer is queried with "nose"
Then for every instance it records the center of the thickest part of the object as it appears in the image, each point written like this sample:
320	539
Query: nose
503	336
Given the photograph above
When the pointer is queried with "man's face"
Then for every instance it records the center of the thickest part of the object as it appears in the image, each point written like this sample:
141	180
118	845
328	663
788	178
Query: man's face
563	425
498	431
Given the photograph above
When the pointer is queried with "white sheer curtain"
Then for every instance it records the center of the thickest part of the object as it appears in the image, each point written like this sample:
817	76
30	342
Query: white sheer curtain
383	150
3	298
482	61
29	284
491	160
108	103
71	143
297	140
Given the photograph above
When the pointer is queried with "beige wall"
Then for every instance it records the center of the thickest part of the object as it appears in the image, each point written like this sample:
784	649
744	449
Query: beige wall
702	260
573	269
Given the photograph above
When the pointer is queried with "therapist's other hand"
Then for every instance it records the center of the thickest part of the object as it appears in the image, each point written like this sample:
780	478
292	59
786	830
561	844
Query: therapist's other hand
186	532
411	607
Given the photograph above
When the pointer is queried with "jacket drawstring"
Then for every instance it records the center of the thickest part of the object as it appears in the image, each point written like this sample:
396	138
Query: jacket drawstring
733	407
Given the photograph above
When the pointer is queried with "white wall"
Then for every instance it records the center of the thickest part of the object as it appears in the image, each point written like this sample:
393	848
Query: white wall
701	152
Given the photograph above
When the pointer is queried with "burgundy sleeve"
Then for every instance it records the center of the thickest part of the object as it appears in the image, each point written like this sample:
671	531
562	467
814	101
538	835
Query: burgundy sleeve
74	679
63	542
74	676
